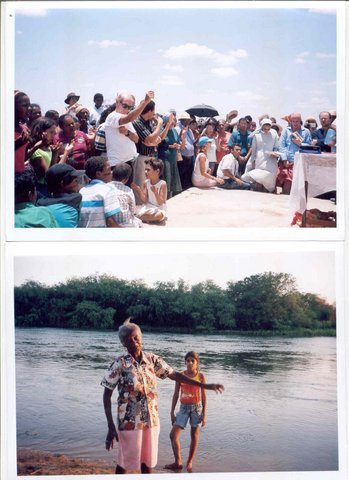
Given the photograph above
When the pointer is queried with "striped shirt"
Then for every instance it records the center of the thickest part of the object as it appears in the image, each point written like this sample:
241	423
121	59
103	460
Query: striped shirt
144	128
100	143
99	201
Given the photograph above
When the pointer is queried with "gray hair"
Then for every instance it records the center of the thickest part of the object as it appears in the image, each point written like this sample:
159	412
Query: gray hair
126	328
122	95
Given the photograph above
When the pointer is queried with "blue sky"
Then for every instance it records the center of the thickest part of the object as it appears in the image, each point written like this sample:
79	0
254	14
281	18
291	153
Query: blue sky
255	60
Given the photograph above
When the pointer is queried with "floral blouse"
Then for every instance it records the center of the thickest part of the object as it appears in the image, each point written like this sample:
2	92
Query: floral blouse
136	382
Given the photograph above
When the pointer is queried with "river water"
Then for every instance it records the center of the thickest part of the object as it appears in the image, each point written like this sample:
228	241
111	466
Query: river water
278	411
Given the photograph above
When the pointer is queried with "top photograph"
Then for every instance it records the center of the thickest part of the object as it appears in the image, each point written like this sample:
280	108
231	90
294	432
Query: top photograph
176	122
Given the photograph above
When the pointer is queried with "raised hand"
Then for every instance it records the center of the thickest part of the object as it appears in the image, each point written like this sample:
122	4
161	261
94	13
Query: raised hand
149	95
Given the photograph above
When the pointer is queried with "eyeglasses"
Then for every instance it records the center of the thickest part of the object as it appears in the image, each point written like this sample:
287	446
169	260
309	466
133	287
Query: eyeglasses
128	107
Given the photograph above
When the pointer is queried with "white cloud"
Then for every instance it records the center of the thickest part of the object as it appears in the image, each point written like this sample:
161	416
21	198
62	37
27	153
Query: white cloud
224	72
107	43
32	12
173	68
19	32
300	57
329	84
251	96
324	11
194	50
325	55
172	80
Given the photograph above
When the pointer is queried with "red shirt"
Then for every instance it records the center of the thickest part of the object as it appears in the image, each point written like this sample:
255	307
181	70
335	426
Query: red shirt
191	394
81	148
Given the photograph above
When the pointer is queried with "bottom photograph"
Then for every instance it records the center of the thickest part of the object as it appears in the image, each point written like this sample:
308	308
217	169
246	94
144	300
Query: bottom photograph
176	359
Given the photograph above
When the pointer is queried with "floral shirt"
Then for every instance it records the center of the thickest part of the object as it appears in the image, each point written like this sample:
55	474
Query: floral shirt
136	382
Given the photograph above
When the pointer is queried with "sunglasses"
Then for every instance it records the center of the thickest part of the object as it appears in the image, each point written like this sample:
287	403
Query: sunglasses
129	107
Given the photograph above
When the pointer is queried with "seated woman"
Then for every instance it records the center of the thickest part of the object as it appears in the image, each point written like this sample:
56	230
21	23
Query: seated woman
262	167
202	176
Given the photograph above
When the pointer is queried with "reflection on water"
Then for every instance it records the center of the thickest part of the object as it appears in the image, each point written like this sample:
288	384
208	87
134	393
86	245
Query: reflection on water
277	413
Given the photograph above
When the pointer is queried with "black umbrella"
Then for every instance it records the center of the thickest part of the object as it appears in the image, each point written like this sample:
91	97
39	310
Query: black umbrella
203	111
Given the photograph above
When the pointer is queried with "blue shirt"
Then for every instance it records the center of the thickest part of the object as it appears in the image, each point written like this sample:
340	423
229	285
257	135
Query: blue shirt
242	139
287	147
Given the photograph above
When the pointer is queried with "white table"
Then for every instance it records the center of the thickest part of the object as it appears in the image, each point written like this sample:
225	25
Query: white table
313	174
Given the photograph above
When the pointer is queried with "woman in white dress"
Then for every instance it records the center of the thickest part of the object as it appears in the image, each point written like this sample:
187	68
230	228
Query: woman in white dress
202	176
262	167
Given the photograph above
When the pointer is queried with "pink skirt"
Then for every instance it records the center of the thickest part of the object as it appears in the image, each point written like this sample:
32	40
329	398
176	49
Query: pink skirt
138	446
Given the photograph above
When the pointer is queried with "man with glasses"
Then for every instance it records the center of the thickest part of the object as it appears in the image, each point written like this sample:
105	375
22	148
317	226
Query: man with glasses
120	134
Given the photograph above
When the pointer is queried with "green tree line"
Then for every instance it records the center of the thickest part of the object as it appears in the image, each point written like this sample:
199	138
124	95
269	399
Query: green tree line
263	302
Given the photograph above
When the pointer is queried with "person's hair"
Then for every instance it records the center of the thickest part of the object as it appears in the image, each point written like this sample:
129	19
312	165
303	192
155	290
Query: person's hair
122	95
194	355
94	165
24	183
53	114
40	126
242	119
150	107
156	164
97	95
235	145
248	118
18	99
276	127
126	328
122	171
328	113
106	112
62	118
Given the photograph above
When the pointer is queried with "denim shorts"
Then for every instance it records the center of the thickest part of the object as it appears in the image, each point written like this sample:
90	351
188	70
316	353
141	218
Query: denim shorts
186	412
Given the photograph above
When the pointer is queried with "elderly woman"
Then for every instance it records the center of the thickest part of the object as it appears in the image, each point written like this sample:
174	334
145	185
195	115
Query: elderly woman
69	135
262	167
138	423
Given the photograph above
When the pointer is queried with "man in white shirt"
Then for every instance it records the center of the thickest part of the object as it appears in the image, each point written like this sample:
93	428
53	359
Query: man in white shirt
228	170
120	134
97	109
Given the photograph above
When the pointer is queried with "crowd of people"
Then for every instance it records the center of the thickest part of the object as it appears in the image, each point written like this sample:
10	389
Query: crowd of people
117	165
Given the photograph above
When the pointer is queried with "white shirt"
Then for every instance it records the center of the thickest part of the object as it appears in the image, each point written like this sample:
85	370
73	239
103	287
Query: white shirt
230	163
95	113
120	148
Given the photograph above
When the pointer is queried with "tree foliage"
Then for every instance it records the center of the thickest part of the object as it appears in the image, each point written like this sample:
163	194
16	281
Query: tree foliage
268	301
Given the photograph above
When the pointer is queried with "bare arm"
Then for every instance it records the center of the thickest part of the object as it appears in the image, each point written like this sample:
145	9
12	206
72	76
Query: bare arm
141	192
203	401
179	377
112	433
174	402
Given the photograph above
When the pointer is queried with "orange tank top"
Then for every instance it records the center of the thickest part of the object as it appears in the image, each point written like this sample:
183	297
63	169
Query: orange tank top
191	394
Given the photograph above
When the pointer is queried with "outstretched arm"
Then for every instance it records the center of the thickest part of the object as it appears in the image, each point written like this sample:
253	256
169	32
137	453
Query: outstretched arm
174	402
179	377
112	433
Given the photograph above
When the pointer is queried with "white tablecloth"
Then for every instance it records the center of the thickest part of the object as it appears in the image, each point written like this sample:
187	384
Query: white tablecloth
319	170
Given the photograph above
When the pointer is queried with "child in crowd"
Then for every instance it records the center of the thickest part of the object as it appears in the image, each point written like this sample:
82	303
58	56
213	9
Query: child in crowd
121	175
153	194
193	407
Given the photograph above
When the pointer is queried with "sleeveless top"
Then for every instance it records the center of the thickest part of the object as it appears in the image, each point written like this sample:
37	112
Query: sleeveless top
191	394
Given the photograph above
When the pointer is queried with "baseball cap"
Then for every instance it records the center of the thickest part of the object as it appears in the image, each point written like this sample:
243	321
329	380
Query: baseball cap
203	140
59	172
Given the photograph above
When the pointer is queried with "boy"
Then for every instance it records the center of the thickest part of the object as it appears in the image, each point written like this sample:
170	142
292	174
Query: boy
121	175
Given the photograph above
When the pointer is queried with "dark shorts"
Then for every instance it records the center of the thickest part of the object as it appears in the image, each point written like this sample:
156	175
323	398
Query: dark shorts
191	412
